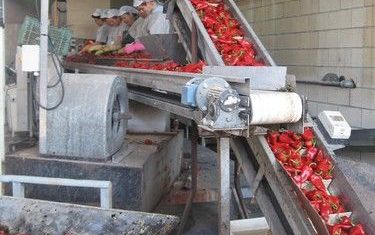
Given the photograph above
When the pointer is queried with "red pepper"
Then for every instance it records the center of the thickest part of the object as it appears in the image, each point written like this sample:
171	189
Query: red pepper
305	174
316	195
325	210
307	162
278	147
317	181
308	134
334	202
346	223
357	230
335	230
309	143
297	145
316	205
291	170
273	136
282	156
311	153
319	156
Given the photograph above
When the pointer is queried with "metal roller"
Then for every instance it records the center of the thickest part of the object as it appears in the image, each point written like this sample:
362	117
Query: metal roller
91	121
275	107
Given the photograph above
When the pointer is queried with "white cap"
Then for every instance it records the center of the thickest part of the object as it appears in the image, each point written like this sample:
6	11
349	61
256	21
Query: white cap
137	3
97	13
112	13
127	9
104	14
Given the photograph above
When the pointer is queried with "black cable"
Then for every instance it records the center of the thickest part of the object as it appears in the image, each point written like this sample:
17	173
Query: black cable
59	81
55	106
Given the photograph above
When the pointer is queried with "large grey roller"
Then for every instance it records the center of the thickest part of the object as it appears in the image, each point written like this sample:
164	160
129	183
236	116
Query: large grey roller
91	121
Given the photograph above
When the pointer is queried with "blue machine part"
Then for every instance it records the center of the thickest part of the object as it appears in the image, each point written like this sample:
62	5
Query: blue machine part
188	95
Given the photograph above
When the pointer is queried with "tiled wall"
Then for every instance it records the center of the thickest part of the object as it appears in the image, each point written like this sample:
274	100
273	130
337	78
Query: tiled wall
316	37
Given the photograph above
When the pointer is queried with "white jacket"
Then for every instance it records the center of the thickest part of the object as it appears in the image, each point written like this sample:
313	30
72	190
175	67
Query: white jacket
155	23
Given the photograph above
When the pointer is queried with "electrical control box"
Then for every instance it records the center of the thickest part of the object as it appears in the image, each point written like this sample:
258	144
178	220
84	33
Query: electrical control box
335	124
30	58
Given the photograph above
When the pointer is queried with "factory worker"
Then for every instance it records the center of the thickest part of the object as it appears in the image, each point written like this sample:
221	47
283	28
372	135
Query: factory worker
151	21
115	28
128	16
102	32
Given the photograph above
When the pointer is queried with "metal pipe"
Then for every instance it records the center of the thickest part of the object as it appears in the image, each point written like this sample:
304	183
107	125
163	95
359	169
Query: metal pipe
343	84
43	79
194	176
2	93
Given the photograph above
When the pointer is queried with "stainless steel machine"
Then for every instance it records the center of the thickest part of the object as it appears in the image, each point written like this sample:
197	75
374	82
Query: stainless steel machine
233	104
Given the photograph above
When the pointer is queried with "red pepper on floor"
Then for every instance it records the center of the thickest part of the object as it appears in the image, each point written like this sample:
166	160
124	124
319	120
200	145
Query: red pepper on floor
357	230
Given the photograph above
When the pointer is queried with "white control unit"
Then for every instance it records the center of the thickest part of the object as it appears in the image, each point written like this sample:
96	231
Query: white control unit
30	58
335	124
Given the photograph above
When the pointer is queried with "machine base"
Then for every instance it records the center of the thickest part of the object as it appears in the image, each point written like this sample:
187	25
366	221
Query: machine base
140	172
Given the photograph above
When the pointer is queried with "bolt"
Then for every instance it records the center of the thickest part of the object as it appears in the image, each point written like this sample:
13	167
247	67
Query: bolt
228	119
204	108
205	86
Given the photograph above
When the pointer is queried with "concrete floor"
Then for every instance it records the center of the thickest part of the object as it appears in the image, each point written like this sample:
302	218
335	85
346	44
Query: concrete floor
203	219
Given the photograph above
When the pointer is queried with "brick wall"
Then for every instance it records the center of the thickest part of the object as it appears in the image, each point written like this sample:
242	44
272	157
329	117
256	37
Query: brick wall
316	37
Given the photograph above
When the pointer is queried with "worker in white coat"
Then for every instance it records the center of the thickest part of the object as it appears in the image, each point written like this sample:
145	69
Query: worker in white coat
152	20
102	31
128	16
115	28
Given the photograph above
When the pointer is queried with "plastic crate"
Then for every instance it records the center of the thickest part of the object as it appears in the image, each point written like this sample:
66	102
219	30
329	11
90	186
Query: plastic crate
30	35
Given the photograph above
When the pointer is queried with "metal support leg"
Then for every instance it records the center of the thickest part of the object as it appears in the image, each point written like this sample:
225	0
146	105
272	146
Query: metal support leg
106	197
18	189
194	174
224	186
237	186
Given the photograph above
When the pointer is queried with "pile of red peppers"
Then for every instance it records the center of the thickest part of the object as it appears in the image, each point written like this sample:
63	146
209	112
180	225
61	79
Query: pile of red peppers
226	33
309	166
168	66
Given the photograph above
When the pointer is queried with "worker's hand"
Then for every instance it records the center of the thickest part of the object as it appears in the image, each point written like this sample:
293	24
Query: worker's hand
133	47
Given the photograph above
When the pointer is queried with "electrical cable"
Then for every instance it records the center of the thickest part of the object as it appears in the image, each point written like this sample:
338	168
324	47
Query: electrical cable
59	81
